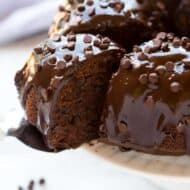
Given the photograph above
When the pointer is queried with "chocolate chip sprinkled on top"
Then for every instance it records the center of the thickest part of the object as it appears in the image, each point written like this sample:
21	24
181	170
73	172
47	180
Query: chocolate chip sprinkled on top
142	56
52	60
42	181
143	79
71	45
67	57
104	46
72	38
103	16
87	39
81	8
38	50
153	78
126	63
160	69
169	66
97	42
176	42
161	35
91	11
51	47
89	2
175	87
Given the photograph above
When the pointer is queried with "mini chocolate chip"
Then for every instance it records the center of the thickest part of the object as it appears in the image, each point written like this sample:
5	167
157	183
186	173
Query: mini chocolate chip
51	47
81	8
143	79
126	63
61	8
75	60
67	57
184	41
87	39
169	66
137	49
118	7
153	78
97	42
170	36
91	11
56	37
52	60
88	48
176	42
71	38
161	35
160	69
157	43
164	47
71	46
80	1
142	56
38	50
150	101
180	127
61	64
42	181
175	87
106	40
103	46
99	36
122	128
89	2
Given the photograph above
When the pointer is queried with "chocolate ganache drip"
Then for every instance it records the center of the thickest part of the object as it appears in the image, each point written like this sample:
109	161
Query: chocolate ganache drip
148	101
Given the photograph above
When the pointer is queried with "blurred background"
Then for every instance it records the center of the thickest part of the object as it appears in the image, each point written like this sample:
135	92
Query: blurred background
22	18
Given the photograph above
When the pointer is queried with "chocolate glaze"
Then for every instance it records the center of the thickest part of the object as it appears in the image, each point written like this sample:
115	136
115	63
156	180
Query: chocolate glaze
150	101
52	64
127	22
29	135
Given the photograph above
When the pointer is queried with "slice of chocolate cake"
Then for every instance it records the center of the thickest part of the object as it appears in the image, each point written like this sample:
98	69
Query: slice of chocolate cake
63	84
148	102
127	22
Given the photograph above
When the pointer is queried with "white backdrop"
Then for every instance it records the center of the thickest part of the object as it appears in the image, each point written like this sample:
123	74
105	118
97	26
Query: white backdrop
20	18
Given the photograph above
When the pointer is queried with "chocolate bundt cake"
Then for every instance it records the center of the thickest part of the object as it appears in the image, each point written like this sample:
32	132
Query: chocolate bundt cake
147	106
127	22
63	84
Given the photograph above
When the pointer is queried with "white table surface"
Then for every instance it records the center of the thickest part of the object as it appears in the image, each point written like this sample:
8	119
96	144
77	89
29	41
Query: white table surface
68	170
